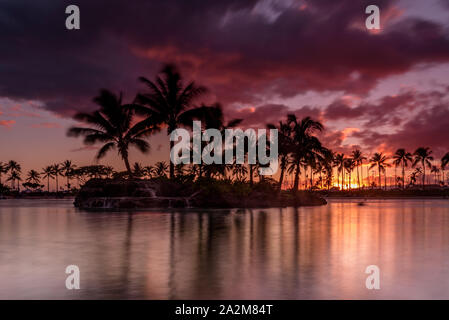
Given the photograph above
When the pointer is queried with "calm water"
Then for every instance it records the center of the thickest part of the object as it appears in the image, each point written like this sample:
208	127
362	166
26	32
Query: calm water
308	253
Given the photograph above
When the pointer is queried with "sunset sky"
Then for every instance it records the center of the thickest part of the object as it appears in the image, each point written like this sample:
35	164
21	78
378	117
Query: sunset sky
261	59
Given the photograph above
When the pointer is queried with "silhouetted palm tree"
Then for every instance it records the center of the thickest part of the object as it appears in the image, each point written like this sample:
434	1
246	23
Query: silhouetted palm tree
349	165
57	171
33	177
358	158
444	162
3	169
402	157
423	156
379	160
138	170
240	171
435	170
112	124
14	169
67	167
160	169
149	170
284	147
339	162
13	177
48	173
170	101
304	143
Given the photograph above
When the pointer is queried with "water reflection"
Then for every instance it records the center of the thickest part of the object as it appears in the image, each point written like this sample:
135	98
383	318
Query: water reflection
305	253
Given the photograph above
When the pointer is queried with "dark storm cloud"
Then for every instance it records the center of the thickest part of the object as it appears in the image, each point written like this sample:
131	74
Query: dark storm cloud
243	51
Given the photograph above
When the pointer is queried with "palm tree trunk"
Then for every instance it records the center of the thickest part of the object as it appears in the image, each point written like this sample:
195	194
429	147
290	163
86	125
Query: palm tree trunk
296	183
380	180
358	177
172	165
311	178
251	173
403	176
424	175
281	178
48	184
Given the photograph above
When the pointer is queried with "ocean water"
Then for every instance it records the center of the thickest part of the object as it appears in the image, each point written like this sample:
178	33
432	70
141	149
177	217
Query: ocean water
304	253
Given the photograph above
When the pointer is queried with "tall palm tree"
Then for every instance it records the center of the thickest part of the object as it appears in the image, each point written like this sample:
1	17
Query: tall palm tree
402	157
33	177
13	177
358	158
112	125
15	169
379	160
213	118
67	167
304	143
170	101
57	171
444	162
436	172
339	162
423	156
48	173
327	162
349	165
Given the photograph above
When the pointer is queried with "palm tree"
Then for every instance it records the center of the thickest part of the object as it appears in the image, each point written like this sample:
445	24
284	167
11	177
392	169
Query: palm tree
14	176
48	173
402	157
15	169
444	162
240	171
160	169
138	170
170	101
435	170
213	118
67	167
339	162
423	156
284	147
3	169
349	165
57	171
112	124
304	143
148	171
358	158
379	160
33	177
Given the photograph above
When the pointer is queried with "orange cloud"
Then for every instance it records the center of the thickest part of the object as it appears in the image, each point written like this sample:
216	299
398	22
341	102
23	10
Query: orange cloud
7	123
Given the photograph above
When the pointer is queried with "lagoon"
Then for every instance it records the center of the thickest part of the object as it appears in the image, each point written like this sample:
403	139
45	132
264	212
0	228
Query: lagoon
305	253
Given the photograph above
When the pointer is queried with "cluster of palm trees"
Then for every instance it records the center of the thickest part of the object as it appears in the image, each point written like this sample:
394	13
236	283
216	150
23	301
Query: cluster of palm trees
33	178
170	103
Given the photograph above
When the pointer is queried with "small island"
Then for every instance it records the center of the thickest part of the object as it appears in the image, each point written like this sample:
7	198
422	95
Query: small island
107	194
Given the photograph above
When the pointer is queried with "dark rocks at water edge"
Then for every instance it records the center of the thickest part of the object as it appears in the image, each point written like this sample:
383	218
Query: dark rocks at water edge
206	193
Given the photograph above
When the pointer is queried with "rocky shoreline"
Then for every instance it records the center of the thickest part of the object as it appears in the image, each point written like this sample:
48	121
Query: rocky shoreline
107	194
